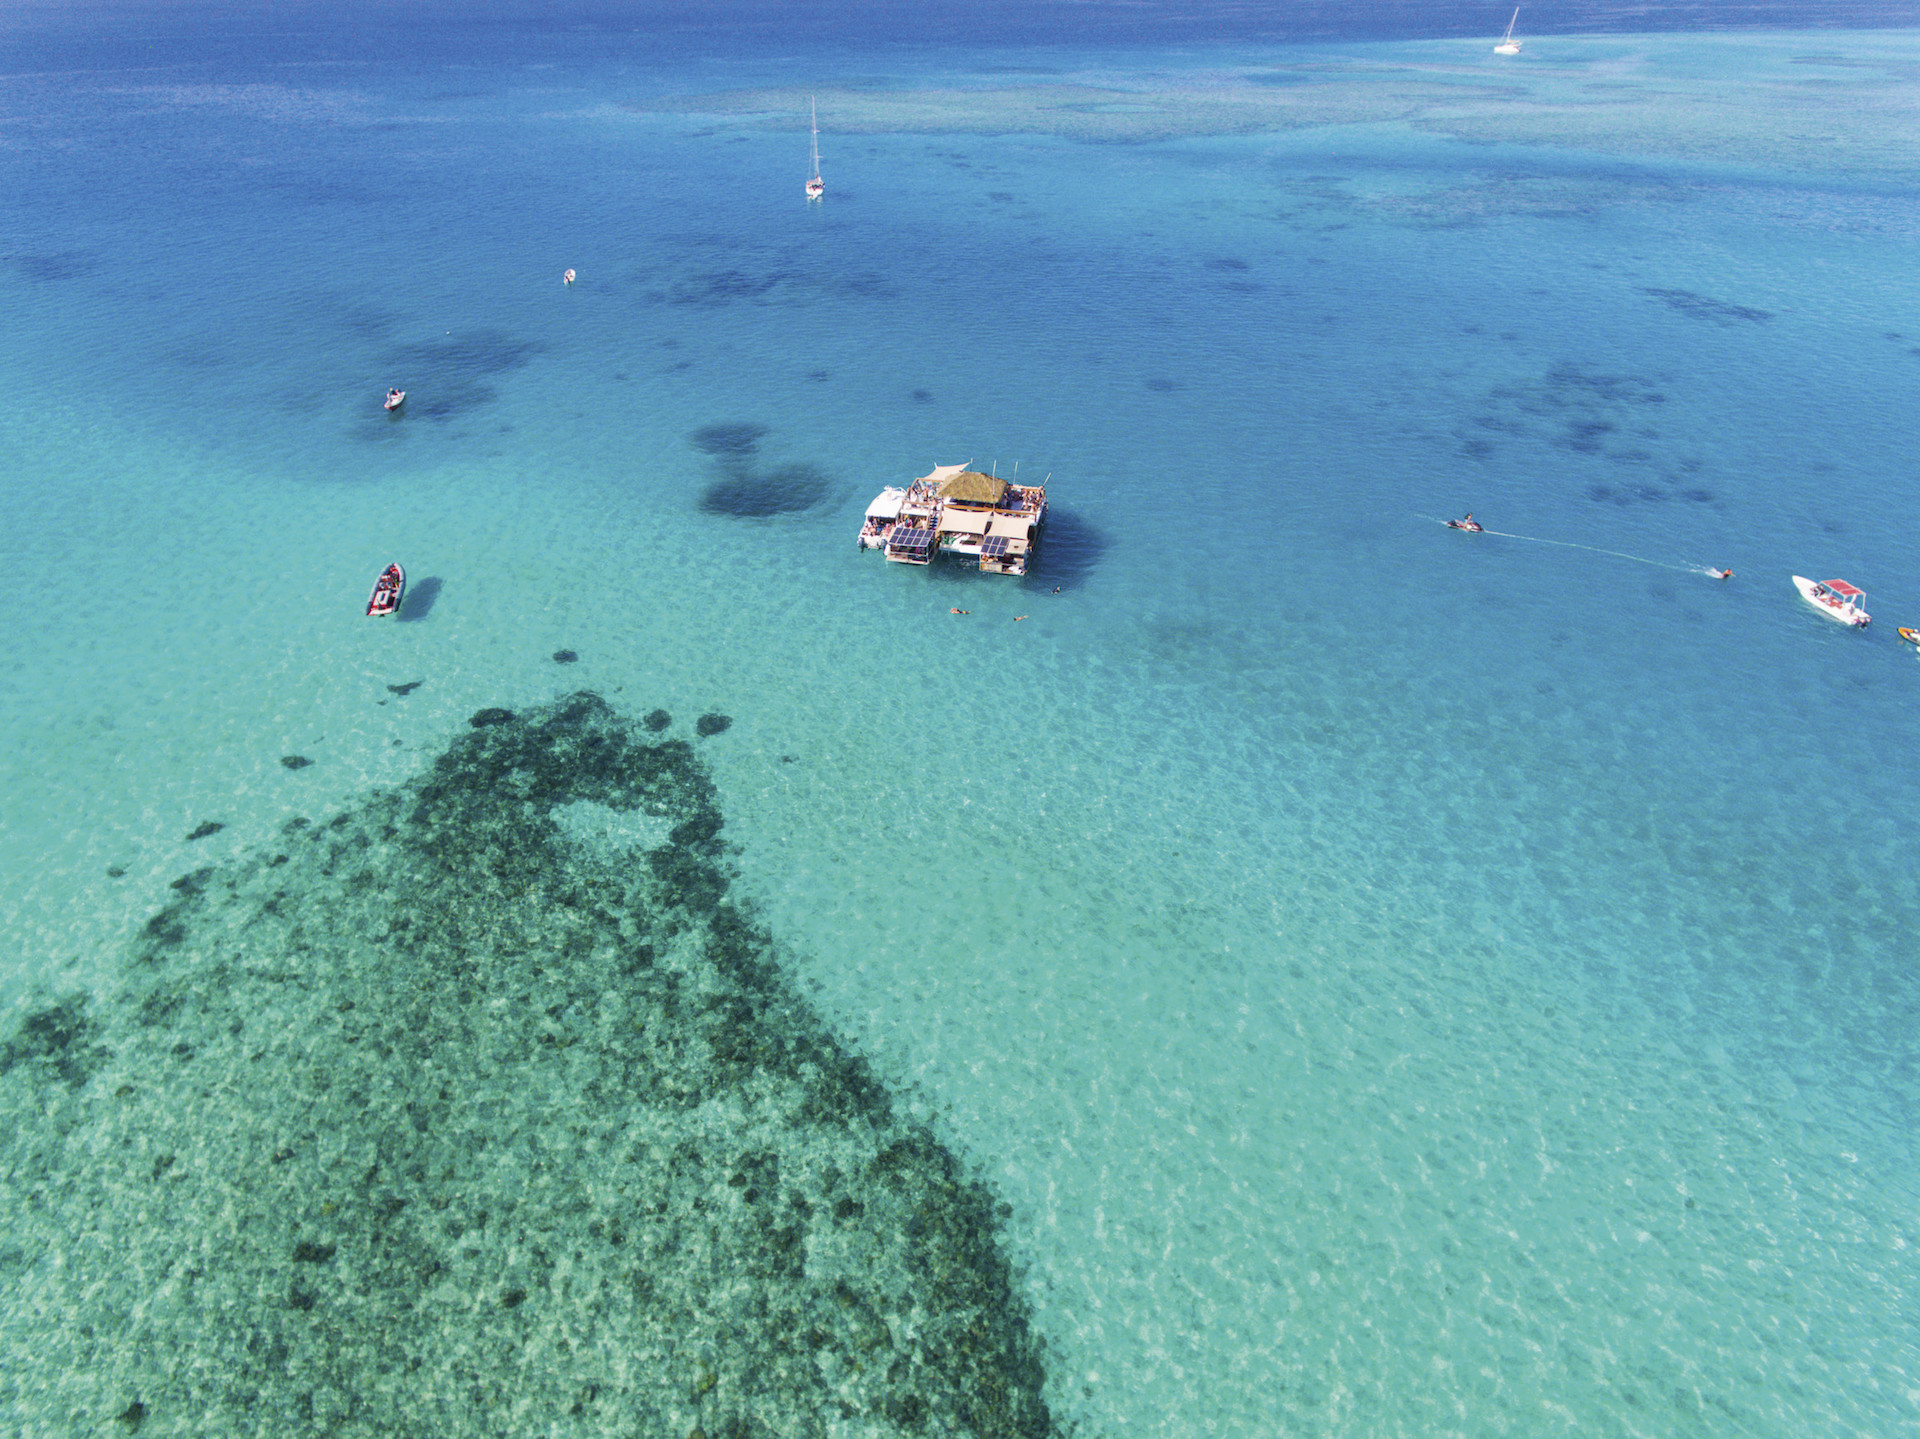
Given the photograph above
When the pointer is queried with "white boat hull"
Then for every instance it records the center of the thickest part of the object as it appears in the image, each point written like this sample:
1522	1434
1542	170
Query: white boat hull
1846	614
1508	45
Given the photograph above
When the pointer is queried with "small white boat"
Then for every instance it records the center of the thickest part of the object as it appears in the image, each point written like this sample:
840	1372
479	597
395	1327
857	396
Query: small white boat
1836	599
396	398
568	277
1508	45
816	187
882	515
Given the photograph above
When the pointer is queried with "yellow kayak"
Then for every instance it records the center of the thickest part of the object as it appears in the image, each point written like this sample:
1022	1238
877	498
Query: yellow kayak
1910	636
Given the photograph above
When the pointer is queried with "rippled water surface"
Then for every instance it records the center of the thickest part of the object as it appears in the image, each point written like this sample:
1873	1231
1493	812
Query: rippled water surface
1390	980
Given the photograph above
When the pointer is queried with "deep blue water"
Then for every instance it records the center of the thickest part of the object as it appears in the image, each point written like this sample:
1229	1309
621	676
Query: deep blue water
206	34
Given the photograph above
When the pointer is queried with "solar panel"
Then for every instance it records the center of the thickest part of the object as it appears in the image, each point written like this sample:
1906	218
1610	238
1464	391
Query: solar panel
994	545
912	539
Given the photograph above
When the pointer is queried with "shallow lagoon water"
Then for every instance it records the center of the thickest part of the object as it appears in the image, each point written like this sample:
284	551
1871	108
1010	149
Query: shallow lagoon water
1399	980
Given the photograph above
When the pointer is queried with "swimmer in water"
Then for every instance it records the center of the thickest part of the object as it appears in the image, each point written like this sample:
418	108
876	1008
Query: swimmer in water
959	612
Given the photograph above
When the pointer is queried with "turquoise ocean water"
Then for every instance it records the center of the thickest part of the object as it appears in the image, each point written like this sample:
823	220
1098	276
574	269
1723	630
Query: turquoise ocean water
1401	981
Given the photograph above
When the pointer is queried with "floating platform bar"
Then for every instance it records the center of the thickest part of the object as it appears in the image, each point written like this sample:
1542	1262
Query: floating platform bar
957	511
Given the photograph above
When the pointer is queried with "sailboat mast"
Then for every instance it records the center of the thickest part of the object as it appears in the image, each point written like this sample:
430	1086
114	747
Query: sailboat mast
815	189
1508	45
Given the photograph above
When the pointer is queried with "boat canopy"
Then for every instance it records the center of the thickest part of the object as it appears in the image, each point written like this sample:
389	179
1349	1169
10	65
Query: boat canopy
941	474
1845	590
887	505
1014	527
964	522
970	487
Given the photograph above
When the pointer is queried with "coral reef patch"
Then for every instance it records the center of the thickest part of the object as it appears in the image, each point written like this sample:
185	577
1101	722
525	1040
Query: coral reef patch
1705	307
451	1117
739	489
749	495
452	372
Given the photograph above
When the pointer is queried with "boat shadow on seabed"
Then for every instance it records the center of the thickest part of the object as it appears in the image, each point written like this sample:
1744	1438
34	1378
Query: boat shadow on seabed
418	603
1069	550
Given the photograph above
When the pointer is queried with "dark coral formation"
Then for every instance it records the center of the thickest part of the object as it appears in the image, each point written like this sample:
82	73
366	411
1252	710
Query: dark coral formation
739	489
450	375
753	495
58	1041
740	440
712	724
1705	307
447	1121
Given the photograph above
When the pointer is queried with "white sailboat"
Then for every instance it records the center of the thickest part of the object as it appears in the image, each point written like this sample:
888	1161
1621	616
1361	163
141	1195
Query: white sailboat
816	187
1508	45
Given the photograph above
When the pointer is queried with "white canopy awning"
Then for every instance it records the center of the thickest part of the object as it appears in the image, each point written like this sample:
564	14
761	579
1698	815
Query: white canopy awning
886	505
964	522
1009	526
942	472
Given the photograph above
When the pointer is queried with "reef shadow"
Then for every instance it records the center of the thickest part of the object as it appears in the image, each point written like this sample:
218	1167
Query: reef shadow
1705	307
787	490
483	1107
53	266
745	492
447	378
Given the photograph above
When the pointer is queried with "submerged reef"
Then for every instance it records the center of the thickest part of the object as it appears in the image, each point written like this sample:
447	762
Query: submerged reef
484	1108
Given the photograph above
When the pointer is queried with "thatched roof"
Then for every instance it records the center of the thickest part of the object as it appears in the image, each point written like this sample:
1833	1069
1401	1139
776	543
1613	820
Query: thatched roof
973	488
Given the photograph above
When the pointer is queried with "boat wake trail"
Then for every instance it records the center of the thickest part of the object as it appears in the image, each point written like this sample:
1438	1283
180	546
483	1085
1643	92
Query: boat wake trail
1595	549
